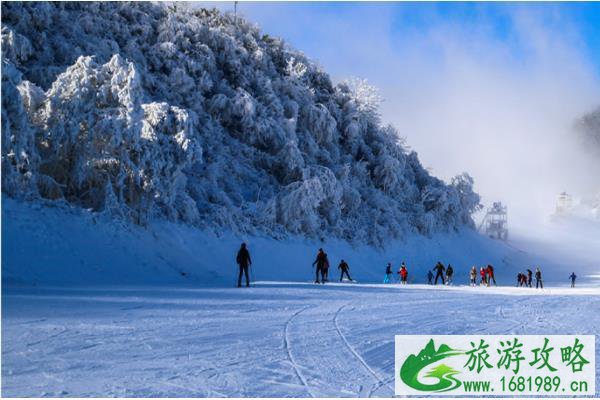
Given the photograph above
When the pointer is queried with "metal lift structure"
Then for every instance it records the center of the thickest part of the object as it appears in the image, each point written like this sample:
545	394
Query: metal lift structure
495	222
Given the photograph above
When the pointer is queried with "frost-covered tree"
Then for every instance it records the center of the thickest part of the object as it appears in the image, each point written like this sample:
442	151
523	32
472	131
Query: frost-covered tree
143	110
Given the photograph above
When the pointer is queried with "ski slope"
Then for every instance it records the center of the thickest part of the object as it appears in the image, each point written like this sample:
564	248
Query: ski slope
274	339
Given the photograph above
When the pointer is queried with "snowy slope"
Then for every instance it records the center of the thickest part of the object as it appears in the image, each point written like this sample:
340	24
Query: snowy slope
45	245
275	340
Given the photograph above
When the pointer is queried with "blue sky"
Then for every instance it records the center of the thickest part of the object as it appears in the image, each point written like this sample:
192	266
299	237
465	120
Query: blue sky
580	21
489	88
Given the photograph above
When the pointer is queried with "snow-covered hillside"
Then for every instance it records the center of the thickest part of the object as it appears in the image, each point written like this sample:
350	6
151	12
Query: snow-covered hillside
145	112
62	245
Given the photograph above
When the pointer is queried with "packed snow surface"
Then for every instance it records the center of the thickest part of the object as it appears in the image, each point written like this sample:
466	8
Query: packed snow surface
274	339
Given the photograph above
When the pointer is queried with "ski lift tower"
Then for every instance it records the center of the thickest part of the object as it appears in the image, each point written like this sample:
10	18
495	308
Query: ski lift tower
495	222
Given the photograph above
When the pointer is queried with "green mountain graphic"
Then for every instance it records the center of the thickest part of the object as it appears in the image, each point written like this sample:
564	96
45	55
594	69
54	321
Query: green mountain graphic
413	365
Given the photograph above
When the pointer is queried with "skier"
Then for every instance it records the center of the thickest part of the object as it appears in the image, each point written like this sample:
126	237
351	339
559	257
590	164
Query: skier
403	273
430	277
326	269
572	277
490	273
529	277
320	263
538	278
521	280
344	268
482	274
388	273
449	273
244	261
473	276
439	268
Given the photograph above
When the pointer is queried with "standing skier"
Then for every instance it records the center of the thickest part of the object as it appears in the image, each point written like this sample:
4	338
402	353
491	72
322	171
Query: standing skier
439	268
449	273
473	276
326	269
244	261
344	268
320	263
482	274
529	277
388	273
572	277
490	273
430	277
538	278
403	273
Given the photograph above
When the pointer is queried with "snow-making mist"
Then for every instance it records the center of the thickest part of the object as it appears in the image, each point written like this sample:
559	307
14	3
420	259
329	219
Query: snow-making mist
567	229
469	100
519	124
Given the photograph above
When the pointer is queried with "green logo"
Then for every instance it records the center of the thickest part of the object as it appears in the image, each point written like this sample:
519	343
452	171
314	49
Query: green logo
413	365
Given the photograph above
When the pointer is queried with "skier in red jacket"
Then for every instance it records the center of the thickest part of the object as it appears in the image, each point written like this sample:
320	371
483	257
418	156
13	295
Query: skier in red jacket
403	273
490	272
483	274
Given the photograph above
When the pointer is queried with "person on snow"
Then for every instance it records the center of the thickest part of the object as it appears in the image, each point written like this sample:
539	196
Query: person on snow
344	268
388	273
482	273
430	277
320	262
403	273
572	277
244	261
439	268
521	280
326	269
449	274
490	274
538	278
473	276
529	277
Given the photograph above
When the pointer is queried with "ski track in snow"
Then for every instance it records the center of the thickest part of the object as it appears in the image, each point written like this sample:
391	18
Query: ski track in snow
288	348
276	339
379	382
